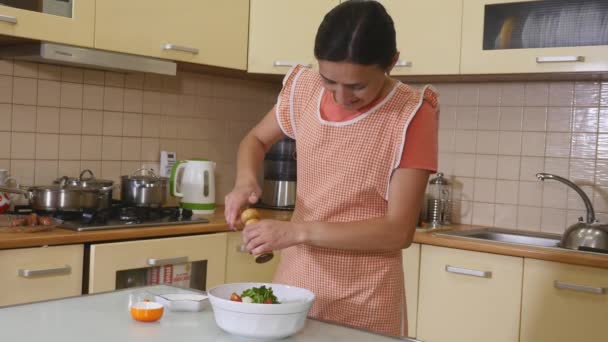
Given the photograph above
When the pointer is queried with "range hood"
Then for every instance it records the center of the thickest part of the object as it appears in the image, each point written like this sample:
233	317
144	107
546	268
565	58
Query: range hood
87	58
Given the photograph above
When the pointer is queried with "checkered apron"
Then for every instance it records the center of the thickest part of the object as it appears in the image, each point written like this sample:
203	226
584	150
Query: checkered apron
344	169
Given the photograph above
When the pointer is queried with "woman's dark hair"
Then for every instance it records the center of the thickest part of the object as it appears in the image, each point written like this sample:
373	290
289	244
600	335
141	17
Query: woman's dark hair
357	31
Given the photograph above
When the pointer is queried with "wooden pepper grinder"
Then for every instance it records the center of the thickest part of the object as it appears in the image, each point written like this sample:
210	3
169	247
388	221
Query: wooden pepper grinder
251	216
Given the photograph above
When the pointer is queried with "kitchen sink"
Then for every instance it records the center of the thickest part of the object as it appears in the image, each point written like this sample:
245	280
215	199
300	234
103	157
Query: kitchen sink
508	236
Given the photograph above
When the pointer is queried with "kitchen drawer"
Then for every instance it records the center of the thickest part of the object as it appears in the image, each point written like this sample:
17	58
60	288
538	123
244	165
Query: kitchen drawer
34	274
241	266
106	259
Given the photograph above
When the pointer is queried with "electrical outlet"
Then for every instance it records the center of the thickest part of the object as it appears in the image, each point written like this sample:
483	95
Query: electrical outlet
155	167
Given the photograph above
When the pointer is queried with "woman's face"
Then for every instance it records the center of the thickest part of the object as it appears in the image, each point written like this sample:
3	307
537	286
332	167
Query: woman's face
353	86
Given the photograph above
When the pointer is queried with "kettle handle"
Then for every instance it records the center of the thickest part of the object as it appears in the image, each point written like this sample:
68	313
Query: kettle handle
173	180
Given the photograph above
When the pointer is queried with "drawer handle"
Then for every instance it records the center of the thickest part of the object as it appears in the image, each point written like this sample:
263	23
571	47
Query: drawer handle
25	273
290	64
579	288
8	19
403	64
168	261
469	272
174	47
559	59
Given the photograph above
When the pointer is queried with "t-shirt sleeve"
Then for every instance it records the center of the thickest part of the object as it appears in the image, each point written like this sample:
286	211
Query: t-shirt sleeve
285	111
420	149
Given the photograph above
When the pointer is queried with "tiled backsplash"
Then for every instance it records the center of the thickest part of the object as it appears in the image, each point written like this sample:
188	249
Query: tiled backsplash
56	121
494	138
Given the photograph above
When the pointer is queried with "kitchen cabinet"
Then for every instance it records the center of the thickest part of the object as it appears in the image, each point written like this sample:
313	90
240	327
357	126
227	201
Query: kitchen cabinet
471	296
411	272
204	256
35	274
203	32
241	266
282	33
77	28
428	36
511	36
563	302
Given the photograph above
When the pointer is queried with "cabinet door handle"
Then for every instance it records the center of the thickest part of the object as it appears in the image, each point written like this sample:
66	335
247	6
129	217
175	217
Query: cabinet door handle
174	47
468	271
8	19
559	59
26	273
403	64
580	288
290	64
168	261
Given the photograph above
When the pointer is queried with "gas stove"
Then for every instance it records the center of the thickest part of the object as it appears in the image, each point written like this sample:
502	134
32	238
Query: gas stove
121	216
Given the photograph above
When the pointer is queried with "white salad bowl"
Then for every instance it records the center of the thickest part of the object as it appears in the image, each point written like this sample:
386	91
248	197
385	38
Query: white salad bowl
261	321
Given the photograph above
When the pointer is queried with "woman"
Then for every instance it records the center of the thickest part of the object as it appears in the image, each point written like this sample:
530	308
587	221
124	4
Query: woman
366	145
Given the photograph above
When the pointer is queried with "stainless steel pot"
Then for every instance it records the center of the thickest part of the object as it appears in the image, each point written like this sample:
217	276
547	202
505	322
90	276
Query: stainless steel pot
57	197
104	187
144	190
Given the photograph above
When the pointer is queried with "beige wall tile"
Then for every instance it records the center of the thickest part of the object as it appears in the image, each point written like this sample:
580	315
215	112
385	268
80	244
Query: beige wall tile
49	72
602	146
530	166
187	82
509	143
485	190
558	144
132	125
446	139
511	118
93	165
586	93
168	145
49	93
111	170
92	97
507	191
559	119
557	166
69	147
113	99
23	171
134	81
111	148
528	218
600	200
47	146
47	120
70	121
508	167
24	118
603	119
486	166
584	145
72	95
535	119
585	119
464	165
6	89
150	149
462	212
487	142
186	105
463	188
151	125
533	144
168	127
466	117
582	170
505	216
25	69
131	148
153	82
184	148
488	118
468	94
46	172
115	79
561	94
134	100
465	141
152	102
112	123
483	214
69	74
537	94
92	122
604	94
555	195
25	90
512	94
574	199
94	77
553	220
168	104
489	94
6	67
91	147
5	145
70	168
530	193
601	173
445	162
128	167
6	117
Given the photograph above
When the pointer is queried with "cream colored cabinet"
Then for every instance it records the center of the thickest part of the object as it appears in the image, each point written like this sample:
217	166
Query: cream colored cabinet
511	36
411	272
204	256
428	36
282	33
196	31
468	296
34	274
77	28
241	266
564	303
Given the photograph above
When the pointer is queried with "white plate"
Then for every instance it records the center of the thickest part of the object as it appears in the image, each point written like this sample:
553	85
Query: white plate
183	301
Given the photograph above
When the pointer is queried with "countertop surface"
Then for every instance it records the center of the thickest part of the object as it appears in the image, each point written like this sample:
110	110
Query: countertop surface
105	317
60	236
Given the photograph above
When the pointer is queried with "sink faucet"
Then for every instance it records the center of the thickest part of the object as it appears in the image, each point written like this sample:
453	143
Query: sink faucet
588	205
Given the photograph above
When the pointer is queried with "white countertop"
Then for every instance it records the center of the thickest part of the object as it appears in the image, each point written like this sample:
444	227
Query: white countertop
105	317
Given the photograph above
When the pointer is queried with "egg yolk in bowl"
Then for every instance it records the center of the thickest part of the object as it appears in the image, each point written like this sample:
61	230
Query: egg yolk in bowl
147	311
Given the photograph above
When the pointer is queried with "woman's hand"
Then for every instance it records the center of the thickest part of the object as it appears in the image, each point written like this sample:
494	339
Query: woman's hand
241	196
269	235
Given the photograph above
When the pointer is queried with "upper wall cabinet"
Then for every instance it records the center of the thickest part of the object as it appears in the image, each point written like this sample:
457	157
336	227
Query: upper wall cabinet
428	36
511	36
282	33
68	22
203	32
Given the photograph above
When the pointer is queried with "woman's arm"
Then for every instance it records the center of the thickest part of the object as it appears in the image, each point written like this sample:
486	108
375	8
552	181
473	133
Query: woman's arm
393	231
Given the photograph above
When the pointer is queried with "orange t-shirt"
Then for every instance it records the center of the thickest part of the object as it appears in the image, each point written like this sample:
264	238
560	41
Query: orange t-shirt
420	150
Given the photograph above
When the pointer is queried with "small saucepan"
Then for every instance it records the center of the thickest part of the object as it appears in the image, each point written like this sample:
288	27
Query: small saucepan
144	190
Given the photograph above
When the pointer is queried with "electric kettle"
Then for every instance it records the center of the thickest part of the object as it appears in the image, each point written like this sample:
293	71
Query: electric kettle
194	181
